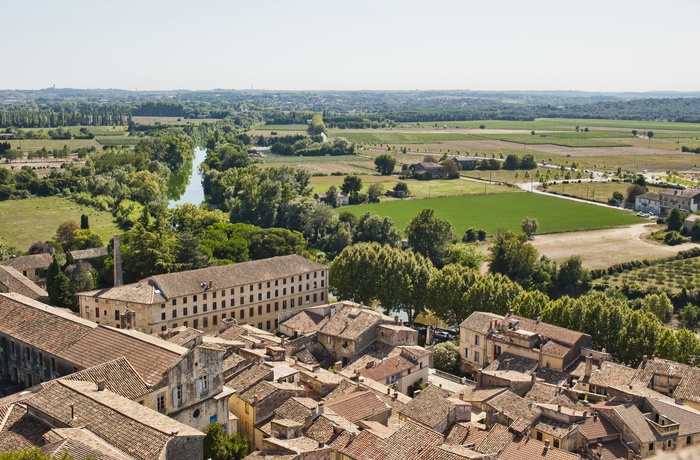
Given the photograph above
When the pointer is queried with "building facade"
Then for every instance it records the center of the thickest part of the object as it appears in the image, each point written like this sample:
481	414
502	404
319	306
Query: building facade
206	299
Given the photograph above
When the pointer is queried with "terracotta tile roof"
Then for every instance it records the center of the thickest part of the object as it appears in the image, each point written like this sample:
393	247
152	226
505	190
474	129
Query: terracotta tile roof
510	362
554	428
140	292
345	387
29	262
19	430
181	336
459	432
686	389
526	448
559	334
332	430
513	406
350	322
126	425
606	374
597	427
478	395
80	443
256	271
430	407
297	409
150	356
263	455
479	321
357	406
448	452
298	445
249	377
91	253
687	417
685	193
636	423
305	322
379	370
119	377
16	282
542	392
552	348
407	443
649	196
258	392
496	440
39	325
568	402
612	450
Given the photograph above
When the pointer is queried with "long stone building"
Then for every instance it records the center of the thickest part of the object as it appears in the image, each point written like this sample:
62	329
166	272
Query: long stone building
206	299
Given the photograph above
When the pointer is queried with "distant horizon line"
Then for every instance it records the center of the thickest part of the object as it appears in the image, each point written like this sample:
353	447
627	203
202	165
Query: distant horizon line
136	90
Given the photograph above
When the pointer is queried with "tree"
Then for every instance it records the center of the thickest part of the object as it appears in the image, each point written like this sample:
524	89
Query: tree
431	236
492	293
450	168
514	257
634	191
36	454
374	228
528	162
674	222
634	132
402	187
511	162
352	184
86	239
572	279
190	254
650	134
446	356
219	445
62	296
40	247
65	234
84	222
385	164
445	293
332	199
80	280
466	255
374	192
659	305
529	226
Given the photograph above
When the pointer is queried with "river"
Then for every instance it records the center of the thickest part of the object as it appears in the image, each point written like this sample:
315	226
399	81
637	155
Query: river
185	186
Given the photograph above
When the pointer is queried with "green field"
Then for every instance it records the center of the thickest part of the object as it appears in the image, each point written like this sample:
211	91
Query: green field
418	189
116	140
26	145
317	159
505	210
281	127
564	139
23	222
557	124
400	137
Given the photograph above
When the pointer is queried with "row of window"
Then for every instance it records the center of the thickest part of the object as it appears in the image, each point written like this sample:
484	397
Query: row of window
241	312
214	322
251	297
476	356
32	358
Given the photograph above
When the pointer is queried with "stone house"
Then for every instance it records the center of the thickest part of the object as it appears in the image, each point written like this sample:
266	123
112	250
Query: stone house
360	406
32	266
252	292
343	198
485	336
687	200
465	162
429	170
436	409
689	221
510	410
13	281
671	379
558	425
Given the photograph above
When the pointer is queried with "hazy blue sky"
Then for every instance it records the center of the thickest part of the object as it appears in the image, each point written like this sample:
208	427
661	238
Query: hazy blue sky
612	45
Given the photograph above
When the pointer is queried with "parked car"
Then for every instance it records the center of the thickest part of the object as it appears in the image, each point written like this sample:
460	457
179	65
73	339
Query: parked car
441	335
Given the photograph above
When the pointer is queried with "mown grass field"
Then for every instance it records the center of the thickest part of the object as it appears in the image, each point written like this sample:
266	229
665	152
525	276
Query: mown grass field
400	137
117	140
503	210
596	191
26	145
418	189
674	275
23	222
556	124
282	127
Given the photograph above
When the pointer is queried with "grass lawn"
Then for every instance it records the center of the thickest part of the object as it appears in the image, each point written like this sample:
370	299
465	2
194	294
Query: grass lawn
418	189
23	222
26	145
596	191
503	210
399	137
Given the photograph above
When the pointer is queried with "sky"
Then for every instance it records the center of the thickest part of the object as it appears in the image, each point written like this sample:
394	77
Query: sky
611	45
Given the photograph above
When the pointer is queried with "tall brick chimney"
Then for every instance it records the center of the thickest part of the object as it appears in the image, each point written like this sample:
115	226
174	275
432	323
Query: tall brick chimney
118	278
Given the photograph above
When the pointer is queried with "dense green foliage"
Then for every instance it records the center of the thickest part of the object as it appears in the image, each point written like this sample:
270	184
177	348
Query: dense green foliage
446	356
219	445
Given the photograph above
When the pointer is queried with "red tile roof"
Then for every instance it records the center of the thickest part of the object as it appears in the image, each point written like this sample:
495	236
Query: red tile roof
357	406
526	448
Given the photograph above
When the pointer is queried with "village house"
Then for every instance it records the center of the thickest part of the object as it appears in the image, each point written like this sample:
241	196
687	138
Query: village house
593	377
343	198
428	170
33	266
465	162
669	378
648	202
84	418
436	409
88	254
13	281
689	221
39	343
686	200
484	336
250	293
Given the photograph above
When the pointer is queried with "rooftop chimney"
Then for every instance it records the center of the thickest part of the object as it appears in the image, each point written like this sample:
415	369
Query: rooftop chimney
320	409
546	444
558	407
72	412
589	365
118	278
101	385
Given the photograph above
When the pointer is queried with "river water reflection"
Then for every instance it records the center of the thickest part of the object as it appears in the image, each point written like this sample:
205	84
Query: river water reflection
185	186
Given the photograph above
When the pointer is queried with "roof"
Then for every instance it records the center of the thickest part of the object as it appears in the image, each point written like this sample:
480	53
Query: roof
685	193
29	262
597	427
91	253
479	321
513	406
542	392
357	406
687	418
606	374
379	370
140	292
80	443
554	428
612	450
351	322
476	395
18	429
510	362
149	356
691	218
119	377
126	425
465	433
323	429
430	407
447	452
496	440
16	282
39	325
636	422
406	443
687	388
648	196
297	409
189	282
249	377
305	322
523	447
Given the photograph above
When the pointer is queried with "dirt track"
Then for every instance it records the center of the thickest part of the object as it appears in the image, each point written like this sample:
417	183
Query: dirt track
602	248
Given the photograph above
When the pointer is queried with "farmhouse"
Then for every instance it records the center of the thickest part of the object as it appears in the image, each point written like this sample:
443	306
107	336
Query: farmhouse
343	198
465	162
206	299
33	266
648	202
13	281
689	221
429	170
686	200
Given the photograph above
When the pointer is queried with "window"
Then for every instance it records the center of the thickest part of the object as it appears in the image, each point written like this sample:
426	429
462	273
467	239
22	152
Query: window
315	297
268	308
12	348
184	300
277	292
173	326
53	364
268	284
251	312
284	291
651	447
213	305
204	296
556	443
241	290
323	283
259	325
291	303
163	328
195	324
307	299
323	295
315	285
259	310
97	312
174	314
177	395
242	314
251	288
186	323
205	322
41	359
688	440
284	305
307	276
213	320
233	291
204	308
241	300
284	280
466	353
259	285
276	323
116	315
268	295
277	282
539	436
277	306
213	295
174	301
301	301
194	298
291	290
307	286
260	296
267	325
194	310
162	316
476	340
476	357
184	311
251	298
233	302
160	403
